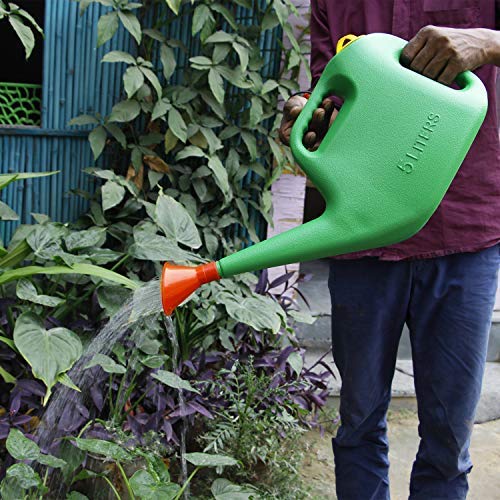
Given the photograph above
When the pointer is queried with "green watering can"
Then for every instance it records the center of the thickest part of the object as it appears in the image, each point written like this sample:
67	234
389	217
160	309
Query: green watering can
382	168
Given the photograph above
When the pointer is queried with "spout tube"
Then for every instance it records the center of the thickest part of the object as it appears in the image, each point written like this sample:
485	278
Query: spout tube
326	236
179	282
322	237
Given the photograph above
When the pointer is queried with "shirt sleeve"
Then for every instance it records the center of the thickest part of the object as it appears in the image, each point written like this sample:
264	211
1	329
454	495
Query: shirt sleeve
322	49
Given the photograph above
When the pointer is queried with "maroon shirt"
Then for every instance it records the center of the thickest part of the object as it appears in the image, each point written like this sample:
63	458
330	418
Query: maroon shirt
468	218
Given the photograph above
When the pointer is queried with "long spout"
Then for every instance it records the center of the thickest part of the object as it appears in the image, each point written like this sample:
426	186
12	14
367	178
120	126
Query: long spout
319	238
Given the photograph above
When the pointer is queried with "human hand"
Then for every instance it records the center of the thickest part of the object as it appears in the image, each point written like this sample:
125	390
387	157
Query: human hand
442	53
320	122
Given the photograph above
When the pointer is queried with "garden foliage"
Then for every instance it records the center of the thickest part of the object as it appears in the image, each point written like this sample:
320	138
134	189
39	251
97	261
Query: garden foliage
185	162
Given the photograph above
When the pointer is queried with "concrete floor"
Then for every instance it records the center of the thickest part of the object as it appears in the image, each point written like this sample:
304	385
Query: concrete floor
318	470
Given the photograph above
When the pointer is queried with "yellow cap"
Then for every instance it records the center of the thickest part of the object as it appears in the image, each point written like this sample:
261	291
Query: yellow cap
345	41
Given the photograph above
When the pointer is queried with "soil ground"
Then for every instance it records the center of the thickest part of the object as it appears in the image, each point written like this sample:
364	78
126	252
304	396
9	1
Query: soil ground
484	480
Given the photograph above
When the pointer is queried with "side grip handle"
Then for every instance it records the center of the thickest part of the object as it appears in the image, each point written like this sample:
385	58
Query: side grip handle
299	151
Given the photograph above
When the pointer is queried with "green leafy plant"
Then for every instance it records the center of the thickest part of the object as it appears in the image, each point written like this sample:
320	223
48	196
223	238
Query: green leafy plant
22	22
256	432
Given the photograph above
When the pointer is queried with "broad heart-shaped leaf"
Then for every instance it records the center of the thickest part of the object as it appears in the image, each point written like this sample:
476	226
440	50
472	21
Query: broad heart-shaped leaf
222	489
26	290
112	194
49	352
158	248
92	237
145	487
208	460
24	476
259	312
21	447
176	222
101	447
108	364
173	380
106	27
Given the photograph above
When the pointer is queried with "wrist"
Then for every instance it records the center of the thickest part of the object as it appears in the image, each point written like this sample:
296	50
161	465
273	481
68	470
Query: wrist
492	47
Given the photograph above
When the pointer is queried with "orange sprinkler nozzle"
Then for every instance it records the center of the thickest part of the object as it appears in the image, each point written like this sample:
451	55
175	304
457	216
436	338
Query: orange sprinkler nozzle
179	282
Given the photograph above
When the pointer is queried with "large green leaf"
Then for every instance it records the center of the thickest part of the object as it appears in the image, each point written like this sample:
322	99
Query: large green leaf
216	84
24	476
132	25
88	269
222	489
24	33
174	5
92	237
48	352
101	447
220	174
20	447
158	248
116	56
109	365
259	312
97	139
6	213
167	58
176	222
208	460
173	380
177	124
26	290
133	80
112	193
146	487
124	111
6	179
106	27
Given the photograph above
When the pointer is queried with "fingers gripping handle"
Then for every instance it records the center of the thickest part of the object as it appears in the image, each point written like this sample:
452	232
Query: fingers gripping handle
301	125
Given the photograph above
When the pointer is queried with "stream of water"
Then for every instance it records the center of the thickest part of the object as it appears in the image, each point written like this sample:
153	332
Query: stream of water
56	420
172	335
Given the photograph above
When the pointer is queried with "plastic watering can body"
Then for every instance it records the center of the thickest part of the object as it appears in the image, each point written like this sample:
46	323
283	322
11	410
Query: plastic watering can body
383	167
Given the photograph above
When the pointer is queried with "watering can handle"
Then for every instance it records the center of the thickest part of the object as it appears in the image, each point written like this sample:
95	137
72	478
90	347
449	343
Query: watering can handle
301	125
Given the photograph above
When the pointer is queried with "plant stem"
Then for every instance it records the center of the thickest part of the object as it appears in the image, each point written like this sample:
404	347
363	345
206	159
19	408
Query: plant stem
84	428
185	485
117	495
126	481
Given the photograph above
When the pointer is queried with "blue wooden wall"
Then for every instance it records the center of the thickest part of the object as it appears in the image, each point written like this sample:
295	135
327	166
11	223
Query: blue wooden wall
75	82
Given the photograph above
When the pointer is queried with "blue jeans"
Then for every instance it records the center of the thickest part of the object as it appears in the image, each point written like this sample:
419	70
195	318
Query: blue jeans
447	303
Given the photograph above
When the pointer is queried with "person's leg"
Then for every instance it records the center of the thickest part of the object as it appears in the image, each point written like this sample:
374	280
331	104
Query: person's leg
369	305
449	320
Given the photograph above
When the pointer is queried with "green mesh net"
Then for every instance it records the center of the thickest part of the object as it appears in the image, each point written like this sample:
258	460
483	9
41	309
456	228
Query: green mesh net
20	104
